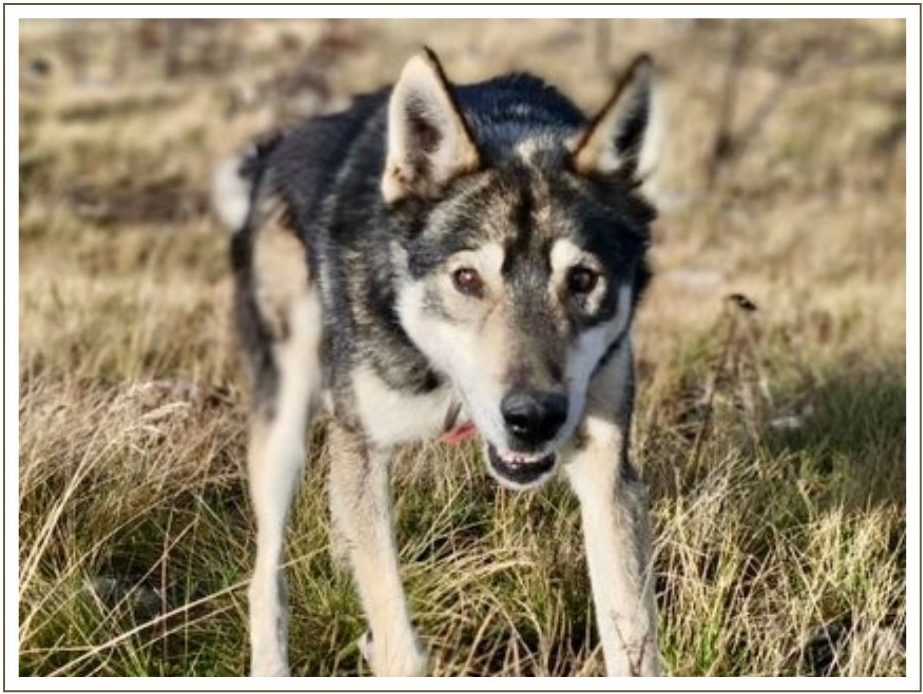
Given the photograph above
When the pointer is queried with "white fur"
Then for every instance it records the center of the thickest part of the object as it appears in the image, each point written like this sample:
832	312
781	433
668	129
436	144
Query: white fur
529	146
391	417
655	133
565	254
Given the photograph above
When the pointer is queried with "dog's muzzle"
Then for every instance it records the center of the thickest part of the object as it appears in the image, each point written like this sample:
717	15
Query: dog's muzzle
520	469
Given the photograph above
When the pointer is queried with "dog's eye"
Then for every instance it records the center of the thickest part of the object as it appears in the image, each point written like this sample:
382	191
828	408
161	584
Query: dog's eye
582	280
468	281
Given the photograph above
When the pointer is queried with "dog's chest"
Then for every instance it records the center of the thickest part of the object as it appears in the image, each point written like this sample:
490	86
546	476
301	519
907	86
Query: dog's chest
391	416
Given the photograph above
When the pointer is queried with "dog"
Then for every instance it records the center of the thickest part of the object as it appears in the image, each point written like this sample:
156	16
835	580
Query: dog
443	260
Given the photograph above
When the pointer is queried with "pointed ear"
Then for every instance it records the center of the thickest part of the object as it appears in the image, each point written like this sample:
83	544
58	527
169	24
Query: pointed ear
624	137
429	142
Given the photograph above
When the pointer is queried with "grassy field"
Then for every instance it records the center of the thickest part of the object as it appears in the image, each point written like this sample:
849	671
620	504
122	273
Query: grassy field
773	440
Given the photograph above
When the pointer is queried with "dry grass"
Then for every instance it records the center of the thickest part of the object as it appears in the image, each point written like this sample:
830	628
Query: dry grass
773	440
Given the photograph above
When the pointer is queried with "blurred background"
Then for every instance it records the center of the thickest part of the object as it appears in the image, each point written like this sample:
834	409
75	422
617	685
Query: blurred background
770	420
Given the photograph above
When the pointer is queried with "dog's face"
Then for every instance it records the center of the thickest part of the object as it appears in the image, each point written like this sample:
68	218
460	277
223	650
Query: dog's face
522	275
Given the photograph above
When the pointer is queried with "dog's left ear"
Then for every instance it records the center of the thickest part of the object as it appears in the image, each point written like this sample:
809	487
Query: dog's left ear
624	138
429	142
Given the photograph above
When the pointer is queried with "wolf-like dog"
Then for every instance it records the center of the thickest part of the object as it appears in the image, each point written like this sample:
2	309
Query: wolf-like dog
441	259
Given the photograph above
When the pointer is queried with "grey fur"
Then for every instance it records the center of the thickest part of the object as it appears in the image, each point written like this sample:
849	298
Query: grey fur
348	294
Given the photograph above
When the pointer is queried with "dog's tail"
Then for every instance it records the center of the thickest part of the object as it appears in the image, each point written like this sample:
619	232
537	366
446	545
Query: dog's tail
235	180
231	192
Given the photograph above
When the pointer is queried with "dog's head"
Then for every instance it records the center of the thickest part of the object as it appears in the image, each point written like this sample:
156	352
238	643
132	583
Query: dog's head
522	248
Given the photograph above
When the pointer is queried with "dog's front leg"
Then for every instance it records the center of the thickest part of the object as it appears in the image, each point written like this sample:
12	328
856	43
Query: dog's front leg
614	512
360	504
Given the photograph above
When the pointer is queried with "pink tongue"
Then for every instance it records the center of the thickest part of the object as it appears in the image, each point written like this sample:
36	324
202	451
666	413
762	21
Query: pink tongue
459	433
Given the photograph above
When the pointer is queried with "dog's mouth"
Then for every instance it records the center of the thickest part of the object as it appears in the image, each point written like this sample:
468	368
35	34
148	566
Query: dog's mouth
513	469
520	470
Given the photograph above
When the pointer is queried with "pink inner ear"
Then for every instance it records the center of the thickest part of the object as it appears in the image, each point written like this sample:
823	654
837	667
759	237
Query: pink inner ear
462	432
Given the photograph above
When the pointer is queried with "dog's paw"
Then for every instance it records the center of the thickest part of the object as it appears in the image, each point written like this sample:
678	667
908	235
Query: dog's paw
269	668
403	659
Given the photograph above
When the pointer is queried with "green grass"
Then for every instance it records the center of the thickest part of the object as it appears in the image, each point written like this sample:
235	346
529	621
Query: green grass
773	441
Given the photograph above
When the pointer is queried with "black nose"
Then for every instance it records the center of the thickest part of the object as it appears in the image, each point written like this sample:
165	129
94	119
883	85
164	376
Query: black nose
533	417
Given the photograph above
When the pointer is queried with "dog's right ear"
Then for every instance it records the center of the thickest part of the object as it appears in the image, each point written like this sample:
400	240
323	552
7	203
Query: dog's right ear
429	142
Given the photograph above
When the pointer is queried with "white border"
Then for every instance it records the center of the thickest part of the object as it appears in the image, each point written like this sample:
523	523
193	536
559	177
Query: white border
11	347
381	10
12	14
913	232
